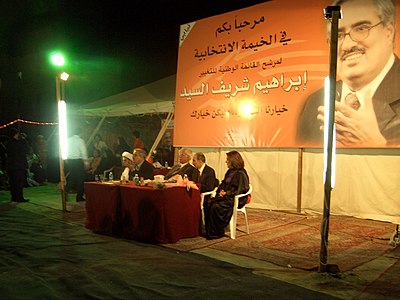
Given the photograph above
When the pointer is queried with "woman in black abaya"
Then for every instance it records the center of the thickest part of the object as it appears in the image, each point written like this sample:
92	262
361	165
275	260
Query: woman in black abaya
218	211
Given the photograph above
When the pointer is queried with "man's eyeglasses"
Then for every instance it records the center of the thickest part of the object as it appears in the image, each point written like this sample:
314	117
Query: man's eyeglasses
358	33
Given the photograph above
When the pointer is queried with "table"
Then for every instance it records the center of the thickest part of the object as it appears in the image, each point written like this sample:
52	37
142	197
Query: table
143	213
159	215
103	207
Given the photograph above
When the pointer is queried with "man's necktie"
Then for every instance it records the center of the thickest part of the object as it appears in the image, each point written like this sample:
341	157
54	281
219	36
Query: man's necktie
173	171
352	101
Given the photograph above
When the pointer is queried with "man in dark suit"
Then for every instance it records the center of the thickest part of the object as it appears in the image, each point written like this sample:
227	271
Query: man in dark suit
208	180
17	164
184	166
142	167
367	107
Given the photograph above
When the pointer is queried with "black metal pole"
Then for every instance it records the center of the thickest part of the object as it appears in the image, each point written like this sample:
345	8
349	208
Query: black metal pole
332	13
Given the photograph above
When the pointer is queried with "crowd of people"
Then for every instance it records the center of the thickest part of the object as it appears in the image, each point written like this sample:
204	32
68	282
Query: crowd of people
123	161
87	163
23	163
26	164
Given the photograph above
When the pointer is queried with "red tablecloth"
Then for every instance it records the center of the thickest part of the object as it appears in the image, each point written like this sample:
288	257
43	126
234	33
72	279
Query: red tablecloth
103	207
143	213
159	215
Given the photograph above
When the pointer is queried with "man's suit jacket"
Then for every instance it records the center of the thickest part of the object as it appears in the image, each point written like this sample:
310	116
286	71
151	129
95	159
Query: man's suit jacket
207	179
188	169
386	103
146	170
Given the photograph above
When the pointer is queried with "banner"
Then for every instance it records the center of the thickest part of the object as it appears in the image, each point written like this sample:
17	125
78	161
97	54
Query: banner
243	77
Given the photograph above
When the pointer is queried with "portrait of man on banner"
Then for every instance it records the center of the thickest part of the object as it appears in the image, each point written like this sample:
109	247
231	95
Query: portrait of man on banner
367	107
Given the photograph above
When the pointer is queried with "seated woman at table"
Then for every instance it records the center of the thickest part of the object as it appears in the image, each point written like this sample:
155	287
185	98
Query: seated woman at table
218	211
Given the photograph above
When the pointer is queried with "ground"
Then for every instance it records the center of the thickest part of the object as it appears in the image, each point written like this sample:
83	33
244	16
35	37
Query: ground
46	253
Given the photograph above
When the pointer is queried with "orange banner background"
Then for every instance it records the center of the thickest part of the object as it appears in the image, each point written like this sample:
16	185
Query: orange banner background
243	76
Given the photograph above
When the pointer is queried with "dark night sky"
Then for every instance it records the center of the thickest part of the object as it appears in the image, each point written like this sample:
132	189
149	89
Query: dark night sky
141	35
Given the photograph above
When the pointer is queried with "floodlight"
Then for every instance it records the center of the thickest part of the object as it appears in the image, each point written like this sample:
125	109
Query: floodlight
64	76
62	127
57	59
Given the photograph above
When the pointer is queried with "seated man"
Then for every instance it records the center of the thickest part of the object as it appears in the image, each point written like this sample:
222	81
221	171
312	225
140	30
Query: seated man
142	167
94	164
184	167
208	180
127	163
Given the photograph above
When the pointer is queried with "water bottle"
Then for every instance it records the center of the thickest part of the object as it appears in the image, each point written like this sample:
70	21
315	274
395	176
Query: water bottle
186	181
136	179
111	176
166	164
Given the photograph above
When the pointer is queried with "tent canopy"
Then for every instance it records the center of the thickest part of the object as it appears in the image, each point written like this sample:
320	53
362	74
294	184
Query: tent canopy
155	97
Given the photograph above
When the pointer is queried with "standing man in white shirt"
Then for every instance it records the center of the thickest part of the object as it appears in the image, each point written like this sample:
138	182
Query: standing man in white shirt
76	163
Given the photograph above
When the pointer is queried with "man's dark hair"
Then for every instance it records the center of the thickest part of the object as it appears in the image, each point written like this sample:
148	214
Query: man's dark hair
142	153
201	156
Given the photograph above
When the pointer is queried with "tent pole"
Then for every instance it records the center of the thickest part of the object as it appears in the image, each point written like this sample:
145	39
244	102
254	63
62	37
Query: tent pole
160	134
95	130
176	155
333	13
52	133
299	178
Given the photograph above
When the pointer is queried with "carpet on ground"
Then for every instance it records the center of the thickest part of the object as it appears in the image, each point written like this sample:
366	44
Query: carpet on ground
293	240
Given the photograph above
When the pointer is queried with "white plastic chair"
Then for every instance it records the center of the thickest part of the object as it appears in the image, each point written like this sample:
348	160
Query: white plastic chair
202	196
232	223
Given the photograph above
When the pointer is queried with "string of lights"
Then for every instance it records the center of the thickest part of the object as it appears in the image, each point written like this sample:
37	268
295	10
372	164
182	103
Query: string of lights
28	122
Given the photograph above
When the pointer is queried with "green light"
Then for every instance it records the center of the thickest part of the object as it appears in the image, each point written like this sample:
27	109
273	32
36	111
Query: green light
57	59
